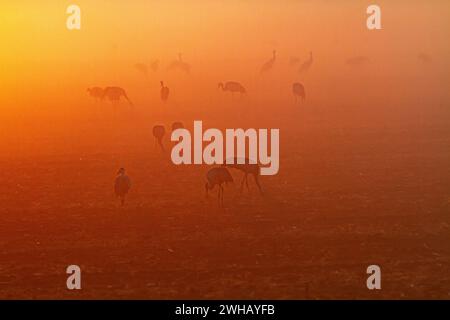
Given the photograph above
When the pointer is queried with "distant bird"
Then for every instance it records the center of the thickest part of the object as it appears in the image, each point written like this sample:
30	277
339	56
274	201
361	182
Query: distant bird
164	92
217	176
180	65
122	185
424	58
158	132
177	125
248	168
270	63
357	61
232	86
114	94
142	68
305	66
298	90
154	65
95	92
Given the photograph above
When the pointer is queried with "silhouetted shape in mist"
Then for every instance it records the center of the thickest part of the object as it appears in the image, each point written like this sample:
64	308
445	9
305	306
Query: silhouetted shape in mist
95	92
305	66
158	132
232	86
154	65
299	91
122	185
164	92
177	125
293	61
179	65
217	176
270	63
114	94
142	68
424	58
247	168
357	61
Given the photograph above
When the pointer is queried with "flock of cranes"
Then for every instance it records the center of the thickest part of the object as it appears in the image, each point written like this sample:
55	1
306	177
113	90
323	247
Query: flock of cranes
218	175
114	94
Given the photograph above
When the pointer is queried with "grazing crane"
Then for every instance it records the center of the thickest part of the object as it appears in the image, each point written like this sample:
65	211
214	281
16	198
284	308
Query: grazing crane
232	86
95	92
158	132
247	168
270	63
154	65
164	92
217	176
122	185
305	66
180	64
298	90
114	94
177	125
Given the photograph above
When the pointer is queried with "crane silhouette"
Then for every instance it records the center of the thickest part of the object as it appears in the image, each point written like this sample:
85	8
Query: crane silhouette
305	66
299	91
122	185
95	92
158	132
114	94
247	168
180	65
270	63
232	86
217	176
177	125
164	92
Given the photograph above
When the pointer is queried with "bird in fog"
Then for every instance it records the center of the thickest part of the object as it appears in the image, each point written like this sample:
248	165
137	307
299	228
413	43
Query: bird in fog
122	185
95	92
177	125
142	68
217	176
247	168
424	58
158	132
164	92
114	94
270	63
305	66
154	65
179	64
299	91
232	86
357	61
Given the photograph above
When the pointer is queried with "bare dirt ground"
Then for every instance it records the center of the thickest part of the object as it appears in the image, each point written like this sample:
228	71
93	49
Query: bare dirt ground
344	198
